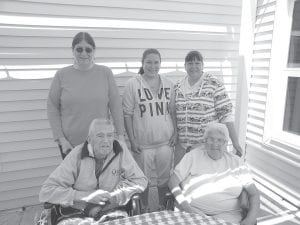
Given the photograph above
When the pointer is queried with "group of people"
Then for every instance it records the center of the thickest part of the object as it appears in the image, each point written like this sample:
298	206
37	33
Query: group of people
181	130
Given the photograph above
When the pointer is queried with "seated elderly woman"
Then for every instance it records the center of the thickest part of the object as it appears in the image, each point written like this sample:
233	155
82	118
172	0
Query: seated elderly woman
209	180
98	171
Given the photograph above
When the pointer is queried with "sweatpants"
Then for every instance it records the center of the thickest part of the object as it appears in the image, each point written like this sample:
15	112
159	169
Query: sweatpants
160	159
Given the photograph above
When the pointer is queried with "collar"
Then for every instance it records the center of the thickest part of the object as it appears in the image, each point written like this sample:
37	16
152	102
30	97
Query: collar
117	148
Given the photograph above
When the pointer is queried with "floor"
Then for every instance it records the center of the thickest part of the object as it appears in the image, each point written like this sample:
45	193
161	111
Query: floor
274	210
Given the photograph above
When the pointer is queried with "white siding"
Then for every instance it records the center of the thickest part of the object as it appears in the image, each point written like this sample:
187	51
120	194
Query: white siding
278	165
35	39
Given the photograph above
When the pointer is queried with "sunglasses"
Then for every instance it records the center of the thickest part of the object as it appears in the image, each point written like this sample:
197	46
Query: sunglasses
80	50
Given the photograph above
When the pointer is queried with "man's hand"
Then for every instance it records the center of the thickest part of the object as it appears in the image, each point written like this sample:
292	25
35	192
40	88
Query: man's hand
65	145
98	197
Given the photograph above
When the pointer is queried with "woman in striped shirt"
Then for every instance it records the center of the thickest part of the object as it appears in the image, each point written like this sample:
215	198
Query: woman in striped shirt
198	100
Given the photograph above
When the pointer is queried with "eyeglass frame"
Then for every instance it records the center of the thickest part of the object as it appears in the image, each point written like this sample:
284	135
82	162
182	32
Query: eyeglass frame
219	141
80	50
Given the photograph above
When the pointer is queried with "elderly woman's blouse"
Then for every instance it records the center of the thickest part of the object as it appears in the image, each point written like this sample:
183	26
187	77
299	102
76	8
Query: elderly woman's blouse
207	102
213	186
77	97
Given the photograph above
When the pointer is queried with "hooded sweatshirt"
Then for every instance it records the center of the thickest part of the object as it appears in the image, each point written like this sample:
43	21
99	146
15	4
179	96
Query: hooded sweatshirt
152	123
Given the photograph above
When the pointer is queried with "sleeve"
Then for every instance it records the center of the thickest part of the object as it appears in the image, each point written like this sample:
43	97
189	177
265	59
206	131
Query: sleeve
183	168
115	104
132	178
54	107
128	99
223	105
57	189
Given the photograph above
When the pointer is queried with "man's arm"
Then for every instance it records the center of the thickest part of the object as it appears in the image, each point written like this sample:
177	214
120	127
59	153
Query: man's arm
57	189
132	179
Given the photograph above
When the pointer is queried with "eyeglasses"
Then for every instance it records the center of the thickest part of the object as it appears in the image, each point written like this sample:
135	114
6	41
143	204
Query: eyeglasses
219	141
87	50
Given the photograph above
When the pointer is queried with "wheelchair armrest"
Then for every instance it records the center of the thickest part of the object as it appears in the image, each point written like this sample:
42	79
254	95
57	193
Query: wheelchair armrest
134	206
169	201
48	205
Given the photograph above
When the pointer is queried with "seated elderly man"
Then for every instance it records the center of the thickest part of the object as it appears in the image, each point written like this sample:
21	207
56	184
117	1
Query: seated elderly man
99	171
209	180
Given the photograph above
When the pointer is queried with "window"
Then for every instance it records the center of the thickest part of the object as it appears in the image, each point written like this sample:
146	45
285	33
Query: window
294	50
291	121
282	120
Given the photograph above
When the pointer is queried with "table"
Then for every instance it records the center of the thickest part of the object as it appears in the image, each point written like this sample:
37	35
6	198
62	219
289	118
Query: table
167	217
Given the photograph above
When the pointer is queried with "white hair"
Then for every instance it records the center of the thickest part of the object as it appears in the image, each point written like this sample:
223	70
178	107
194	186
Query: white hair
98	123
216	128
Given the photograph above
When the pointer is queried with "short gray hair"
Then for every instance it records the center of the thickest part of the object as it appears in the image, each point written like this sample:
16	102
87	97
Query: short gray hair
216	128
98	122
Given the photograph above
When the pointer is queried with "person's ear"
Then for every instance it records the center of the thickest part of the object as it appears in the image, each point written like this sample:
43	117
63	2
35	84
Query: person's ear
88	139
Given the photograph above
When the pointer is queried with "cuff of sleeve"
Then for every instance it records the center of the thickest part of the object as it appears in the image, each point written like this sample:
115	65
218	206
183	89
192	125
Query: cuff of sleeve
73	196
69	199
128	114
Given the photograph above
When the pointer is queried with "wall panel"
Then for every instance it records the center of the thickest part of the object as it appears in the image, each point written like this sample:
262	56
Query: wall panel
35	40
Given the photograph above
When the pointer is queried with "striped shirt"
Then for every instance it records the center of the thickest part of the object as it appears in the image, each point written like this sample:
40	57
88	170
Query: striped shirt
207	104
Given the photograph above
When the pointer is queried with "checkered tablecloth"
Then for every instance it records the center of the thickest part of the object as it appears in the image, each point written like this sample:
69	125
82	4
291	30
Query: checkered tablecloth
167	217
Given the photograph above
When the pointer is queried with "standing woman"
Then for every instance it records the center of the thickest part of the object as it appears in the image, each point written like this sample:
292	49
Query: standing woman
148	122
199	99
80	93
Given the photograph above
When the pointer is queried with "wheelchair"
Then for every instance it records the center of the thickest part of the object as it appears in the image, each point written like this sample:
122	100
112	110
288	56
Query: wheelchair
53	214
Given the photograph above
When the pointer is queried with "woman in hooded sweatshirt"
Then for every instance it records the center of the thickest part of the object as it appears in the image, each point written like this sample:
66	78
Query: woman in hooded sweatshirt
148	122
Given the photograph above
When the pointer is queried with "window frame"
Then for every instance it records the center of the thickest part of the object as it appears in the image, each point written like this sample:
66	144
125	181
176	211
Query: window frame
278	78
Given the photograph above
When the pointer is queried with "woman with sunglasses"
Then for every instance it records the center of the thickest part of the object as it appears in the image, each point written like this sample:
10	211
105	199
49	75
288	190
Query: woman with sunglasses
80	93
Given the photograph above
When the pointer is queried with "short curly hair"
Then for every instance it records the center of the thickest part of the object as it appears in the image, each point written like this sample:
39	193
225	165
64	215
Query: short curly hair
216	128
